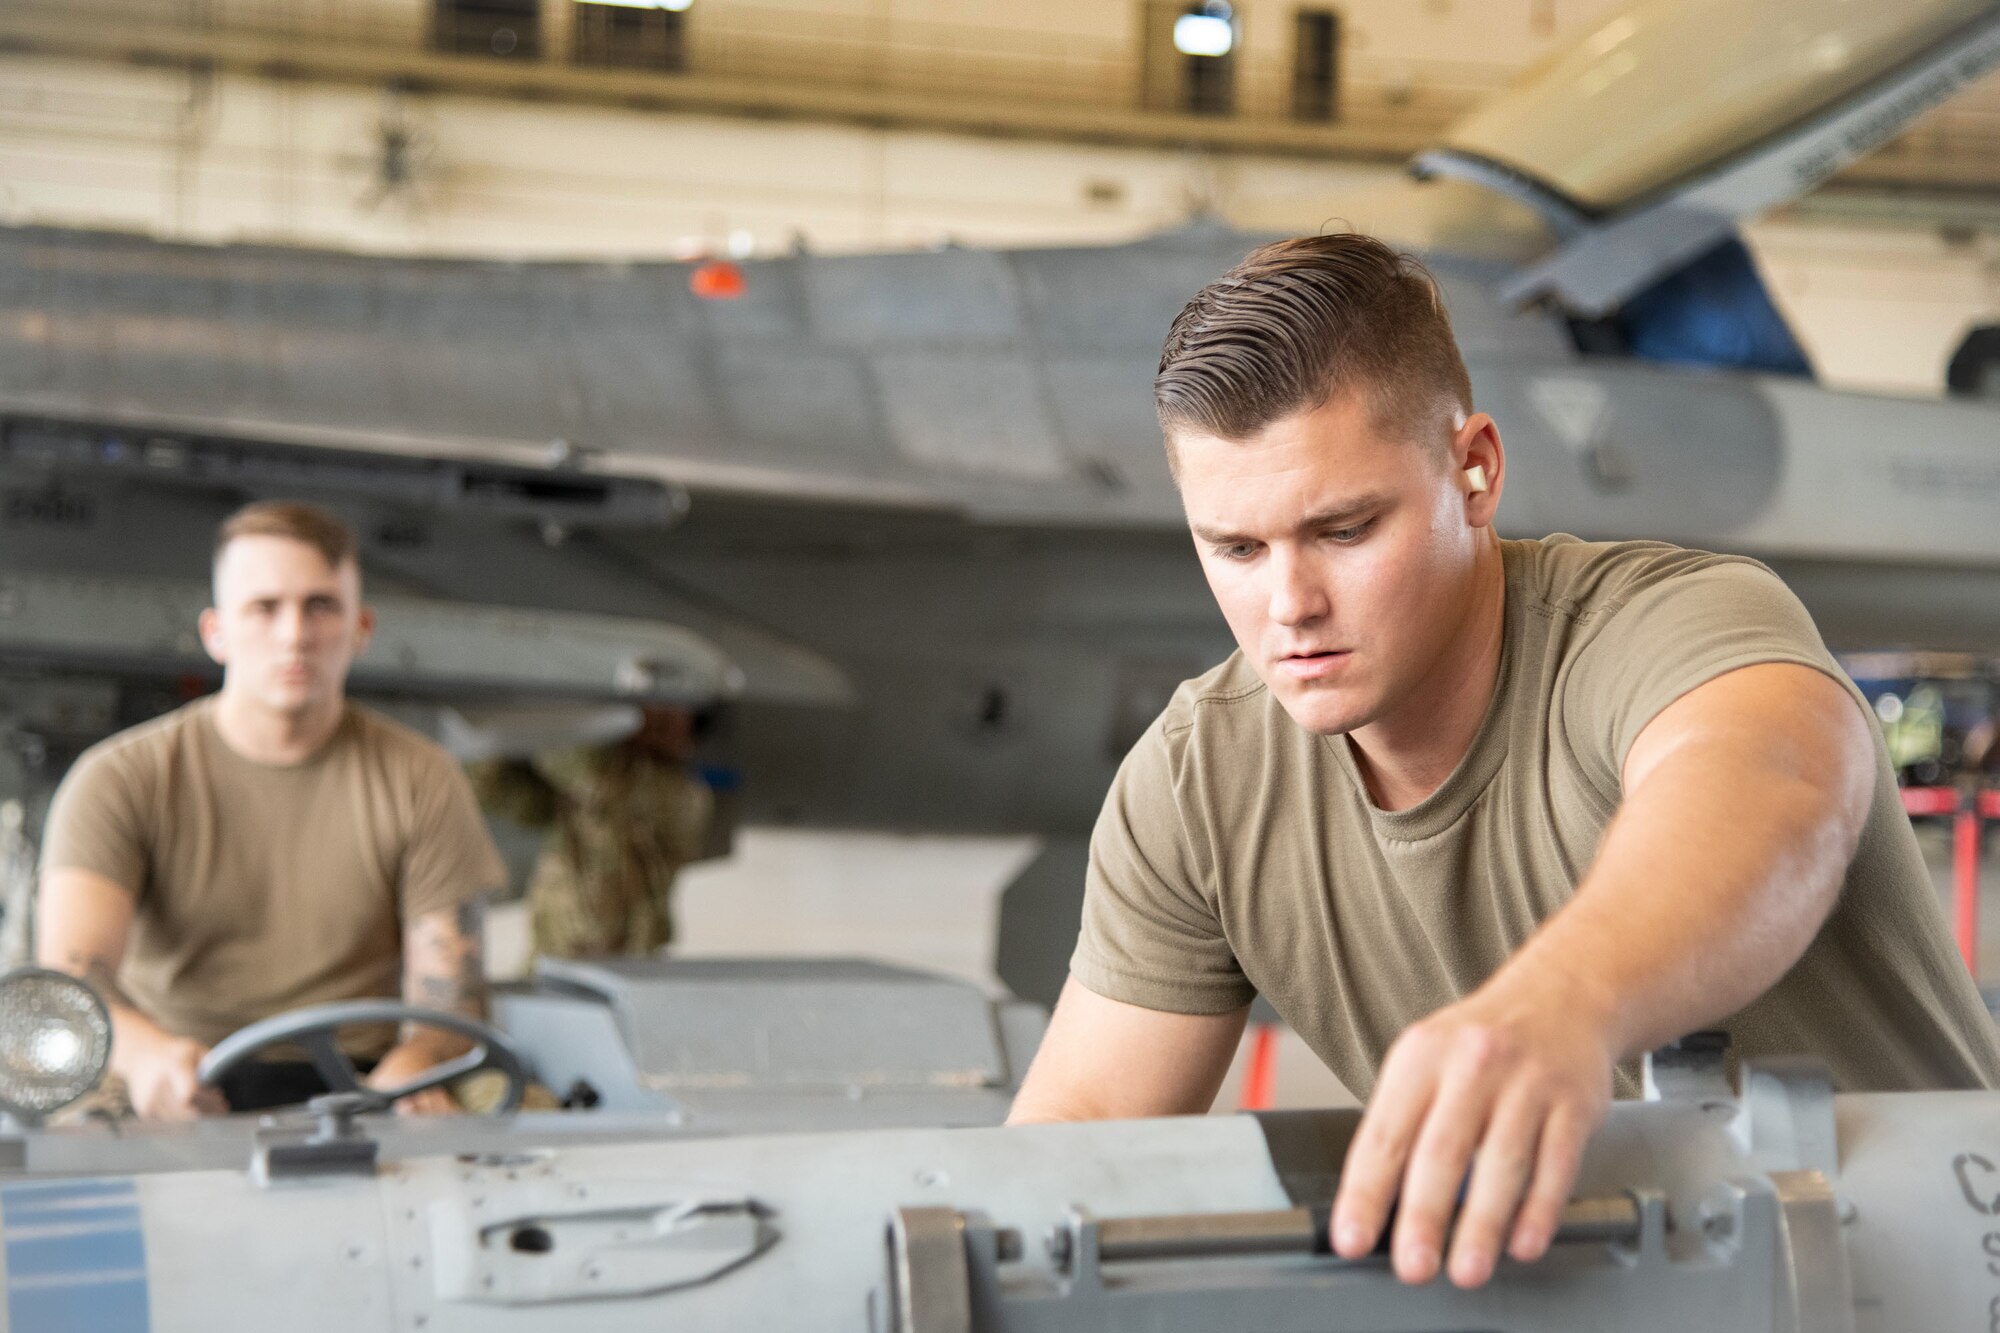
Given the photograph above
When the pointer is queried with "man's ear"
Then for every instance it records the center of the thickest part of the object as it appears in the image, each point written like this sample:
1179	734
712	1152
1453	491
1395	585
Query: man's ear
364	629
213	641
1477	456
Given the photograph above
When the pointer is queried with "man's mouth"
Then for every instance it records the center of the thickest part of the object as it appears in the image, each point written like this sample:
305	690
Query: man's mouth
1313	665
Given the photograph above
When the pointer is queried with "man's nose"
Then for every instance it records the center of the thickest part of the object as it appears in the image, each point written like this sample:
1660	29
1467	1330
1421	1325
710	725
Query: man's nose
291	625
1297	595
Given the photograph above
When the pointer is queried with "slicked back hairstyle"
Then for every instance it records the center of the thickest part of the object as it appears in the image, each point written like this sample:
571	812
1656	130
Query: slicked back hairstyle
288	518
1297	321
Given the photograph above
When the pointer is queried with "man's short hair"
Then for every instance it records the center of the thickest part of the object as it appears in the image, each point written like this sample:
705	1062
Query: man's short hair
289	518
1295	322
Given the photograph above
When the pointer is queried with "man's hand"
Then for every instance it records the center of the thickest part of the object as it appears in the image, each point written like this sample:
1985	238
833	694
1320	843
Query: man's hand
160	1079
1509	1083
83	921
1746	796
404	1064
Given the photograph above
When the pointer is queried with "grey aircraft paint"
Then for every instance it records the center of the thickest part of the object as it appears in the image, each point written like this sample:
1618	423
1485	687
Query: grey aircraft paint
933	480
936	474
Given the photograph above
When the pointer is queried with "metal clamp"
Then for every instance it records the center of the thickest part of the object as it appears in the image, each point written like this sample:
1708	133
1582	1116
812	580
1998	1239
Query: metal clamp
335	1147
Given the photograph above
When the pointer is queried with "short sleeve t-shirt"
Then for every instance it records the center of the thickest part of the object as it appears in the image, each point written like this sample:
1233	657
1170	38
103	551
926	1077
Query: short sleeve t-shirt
262	887
1238	853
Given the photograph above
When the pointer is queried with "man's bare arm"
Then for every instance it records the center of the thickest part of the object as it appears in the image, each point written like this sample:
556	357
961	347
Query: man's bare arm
83	921
1102	1059
1743	803
444	967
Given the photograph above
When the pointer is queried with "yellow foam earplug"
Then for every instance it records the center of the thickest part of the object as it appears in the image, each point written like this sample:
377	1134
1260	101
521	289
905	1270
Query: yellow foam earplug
1475	478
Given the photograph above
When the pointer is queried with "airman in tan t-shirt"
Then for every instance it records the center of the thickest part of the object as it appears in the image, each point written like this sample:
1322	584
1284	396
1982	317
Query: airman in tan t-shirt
267	848
1485	820
1240	854
262	888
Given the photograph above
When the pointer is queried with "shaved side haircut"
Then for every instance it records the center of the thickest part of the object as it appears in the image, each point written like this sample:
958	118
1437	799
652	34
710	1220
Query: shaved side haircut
288	518
1298	321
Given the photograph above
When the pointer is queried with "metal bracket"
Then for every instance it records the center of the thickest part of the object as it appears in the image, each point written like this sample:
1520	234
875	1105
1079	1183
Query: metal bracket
1269	1271
1815	1253
335	1147
1788	1120
930	1288
1694	1069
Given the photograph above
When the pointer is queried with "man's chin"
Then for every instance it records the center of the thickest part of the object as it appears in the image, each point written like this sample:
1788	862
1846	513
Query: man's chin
293	703
1324	712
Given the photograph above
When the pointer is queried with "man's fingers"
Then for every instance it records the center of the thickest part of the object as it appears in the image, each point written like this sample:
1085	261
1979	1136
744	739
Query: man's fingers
431	1101
1501	1169
1564	1135
1374	1165
1453	1127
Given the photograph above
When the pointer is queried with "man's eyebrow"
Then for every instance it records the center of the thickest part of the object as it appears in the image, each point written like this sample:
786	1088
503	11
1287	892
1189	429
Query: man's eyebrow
1332	517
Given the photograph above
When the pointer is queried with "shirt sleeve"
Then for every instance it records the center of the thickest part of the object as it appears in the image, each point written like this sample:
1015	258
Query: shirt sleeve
1151	936
96	823
450	857
1674	634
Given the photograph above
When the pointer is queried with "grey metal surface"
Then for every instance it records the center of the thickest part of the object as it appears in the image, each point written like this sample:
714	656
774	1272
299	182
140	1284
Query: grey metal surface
924	1231
782	1025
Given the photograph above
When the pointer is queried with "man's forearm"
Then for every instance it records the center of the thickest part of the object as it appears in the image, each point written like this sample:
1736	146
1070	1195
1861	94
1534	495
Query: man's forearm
444	968
132	1033
422	1047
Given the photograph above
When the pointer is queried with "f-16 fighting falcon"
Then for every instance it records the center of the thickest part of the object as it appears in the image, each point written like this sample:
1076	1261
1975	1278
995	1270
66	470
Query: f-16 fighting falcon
1483	819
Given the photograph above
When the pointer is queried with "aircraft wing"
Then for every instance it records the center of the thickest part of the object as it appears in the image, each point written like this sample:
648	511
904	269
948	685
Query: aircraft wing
426	647
1636	178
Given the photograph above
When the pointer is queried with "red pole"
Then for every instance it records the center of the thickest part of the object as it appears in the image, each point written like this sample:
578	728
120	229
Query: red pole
1261	1076
1965	877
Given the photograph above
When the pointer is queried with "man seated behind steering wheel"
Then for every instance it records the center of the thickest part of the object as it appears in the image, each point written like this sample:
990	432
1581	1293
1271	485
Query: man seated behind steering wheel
269	847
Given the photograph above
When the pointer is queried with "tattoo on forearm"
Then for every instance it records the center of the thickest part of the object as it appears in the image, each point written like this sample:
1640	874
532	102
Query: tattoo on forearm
101	975
444	965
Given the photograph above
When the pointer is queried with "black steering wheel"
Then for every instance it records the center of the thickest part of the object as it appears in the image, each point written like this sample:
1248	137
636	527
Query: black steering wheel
314	1027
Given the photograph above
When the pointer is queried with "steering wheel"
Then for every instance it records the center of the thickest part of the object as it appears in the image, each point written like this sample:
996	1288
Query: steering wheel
314	1026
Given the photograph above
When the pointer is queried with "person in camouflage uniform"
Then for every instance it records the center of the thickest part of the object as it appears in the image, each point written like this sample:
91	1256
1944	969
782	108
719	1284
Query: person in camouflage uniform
622	820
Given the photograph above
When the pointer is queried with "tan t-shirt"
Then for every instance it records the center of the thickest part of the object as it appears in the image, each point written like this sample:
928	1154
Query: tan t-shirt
1238	853
264	887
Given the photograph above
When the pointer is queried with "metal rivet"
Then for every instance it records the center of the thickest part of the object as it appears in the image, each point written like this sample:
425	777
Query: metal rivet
1059	1246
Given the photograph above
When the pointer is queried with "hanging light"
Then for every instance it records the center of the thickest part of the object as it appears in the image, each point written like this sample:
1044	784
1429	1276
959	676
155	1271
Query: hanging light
1208	31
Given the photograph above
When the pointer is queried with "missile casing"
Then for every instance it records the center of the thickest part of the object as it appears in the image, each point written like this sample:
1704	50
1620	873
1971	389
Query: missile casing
1783	1208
